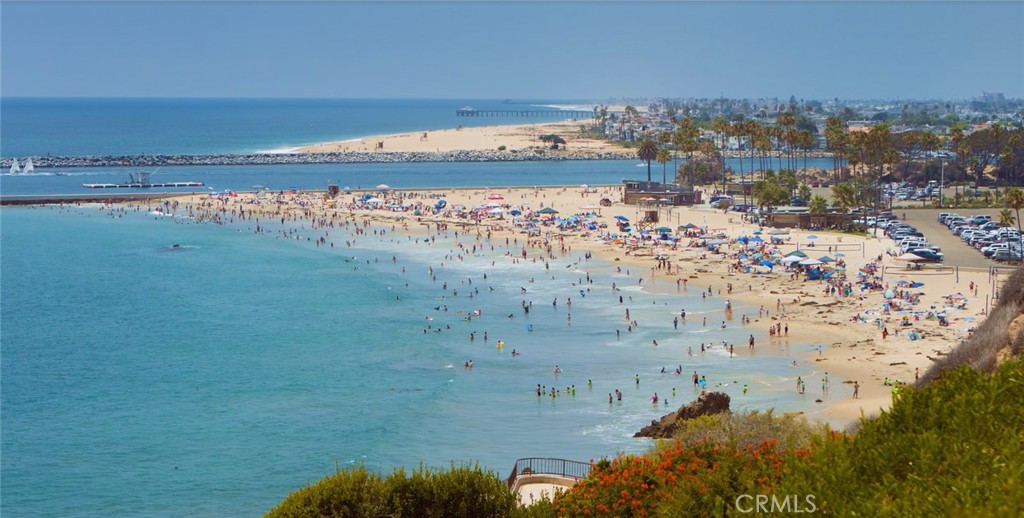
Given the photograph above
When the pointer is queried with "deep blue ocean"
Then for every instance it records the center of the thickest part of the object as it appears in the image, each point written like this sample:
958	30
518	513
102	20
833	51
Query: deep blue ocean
213	378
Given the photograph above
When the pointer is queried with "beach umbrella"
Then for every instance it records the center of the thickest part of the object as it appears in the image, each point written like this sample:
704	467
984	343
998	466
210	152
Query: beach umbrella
664	200
383	186
688	226
917	285
663	229
584	186
796	253
373	200
495	211
840	254
621	218
756	239
810	262
495	197
826	259
788	260
902	283
758	231
812	236
888	294
515	212
547	210
767	263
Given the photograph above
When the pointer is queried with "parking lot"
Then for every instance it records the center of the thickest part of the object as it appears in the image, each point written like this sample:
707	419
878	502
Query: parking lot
956	252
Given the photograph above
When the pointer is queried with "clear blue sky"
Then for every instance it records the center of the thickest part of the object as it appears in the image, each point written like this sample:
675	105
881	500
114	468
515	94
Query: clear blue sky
570	50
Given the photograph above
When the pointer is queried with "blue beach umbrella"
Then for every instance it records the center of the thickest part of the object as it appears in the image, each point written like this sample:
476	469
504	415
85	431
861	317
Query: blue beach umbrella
621	218
767	263
840	254
917	285
812	236
758	231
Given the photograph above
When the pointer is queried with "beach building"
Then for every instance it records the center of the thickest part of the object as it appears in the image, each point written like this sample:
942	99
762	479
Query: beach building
664	194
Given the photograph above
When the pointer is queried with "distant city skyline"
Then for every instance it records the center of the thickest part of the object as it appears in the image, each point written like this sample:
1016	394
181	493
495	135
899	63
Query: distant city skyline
518	50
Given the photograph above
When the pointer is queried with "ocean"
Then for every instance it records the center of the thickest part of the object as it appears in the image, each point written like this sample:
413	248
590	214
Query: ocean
214	377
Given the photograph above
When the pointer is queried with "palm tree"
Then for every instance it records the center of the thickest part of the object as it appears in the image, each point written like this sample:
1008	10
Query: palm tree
1015	200
663	157
647	151
1006	218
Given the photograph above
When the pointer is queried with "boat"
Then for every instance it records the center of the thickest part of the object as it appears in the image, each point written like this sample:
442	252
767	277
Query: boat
15	168
29	167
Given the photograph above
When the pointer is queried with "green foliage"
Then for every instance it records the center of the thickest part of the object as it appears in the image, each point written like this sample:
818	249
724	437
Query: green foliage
749	429
461	491
953	448
502	147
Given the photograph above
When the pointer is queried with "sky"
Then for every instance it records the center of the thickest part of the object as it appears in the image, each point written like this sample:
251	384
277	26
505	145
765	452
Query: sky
519	50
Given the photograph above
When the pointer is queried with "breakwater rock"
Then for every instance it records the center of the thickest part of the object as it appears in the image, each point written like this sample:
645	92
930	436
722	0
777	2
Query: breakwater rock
320	158
708	403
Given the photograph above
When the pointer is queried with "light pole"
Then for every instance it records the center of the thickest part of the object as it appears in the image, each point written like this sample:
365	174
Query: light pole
942	181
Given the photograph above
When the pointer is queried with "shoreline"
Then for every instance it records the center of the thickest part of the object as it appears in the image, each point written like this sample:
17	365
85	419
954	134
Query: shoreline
851	351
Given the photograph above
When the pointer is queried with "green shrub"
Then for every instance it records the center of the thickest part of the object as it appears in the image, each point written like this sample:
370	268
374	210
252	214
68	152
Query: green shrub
462	491
740	430
502	147
953	448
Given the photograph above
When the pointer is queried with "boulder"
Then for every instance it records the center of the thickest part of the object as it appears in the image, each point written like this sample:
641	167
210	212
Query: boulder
708	403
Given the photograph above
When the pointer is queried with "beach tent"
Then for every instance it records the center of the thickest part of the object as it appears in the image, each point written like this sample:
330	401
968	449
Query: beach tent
826	259
663	229
383	187
547	210
796	253
688	226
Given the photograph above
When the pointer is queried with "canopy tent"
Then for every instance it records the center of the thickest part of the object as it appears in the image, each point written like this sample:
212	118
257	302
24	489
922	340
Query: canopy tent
826	259
547	210
663	229
687	226
796	253
810	262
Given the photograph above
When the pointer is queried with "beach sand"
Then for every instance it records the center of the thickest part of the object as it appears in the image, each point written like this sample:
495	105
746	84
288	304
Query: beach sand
515	137
851	350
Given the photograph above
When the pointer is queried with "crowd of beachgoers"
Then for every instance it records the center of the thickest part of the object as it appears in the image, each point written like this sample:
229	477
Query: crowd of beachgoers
879	321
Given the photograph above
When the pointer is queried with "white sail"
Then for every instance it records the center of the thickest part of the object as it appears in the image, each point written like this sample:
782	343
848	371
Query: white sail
29	167
15	168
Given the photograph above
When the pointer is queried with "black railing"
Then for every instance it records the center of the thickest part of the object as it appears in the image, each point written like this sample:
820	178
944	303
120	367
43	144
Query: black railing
548	466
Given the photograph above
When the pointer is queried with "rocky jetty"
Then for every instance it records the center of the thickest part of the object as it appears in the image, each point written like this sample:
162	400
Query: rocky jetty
708	403
321	158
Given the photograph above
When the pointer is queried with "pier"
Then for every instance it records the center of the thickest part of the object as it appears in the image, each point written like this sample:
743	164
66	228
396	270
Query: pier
469	111
132	185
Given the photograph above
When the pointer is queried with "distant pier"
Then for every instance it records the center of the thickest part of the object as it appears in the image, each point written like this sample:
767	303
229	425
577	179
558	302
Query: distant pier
469	111
131	185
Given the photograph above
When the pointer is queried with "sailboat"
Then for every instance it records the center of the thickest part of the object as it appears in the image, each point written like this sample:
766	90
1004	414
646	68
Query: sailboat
29	167
15	168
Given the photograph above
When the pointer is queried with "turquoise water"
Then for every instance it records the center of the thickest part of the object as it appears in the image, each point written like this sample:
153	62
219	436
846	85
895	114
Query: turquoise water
213	378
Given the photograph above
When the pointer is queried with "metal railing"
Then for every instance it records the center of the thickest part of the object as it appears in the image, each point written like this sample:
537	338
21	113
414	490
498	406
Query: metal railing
548	466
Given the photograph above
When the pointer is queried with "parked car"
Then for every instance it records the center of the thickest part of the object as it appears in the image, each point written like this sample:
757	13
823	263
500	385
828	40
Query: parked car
928	255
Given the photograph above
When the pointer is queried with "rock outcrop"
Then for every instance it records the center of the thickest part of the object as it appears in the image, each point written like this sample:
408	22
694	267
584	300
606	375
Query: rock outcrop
708	403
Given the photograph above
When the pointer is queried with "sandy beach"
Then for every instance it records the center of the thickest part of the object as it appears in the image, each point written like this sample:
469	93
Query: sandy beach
847	328
515	138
